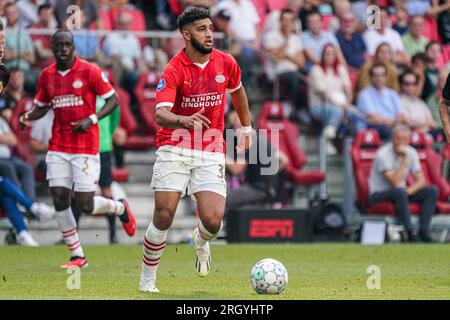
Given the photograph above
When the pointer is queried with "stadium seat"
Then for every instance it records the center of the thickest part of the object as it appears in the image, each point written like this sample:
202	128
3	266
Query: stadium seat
120	174
106	18
135	141
145	92
430	30
284	135
23	136
363	153
326	18
431	163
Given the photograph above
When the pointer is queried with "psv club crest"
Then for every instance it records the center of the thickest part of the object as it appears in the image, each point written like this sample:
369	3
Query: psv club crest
220	78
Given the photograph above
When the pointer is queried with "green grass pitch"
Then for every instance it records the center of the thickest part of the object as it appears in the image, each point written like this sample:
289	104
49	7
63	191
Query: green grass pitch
316	271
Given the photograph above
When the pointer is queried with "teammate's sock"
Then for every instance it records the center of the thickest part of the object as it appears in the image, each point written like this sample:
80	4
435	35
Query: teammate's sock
203	236
104	205
154	244
119	155
68	227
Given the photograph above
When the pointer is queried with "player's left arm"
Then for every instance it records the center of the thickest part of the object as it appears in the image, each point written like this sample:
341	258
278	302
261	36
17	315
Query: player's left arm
85	124
240	103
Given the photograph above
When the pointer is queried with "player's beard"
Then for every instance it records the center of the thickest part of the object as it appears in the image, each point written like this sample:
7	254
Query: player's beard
197	46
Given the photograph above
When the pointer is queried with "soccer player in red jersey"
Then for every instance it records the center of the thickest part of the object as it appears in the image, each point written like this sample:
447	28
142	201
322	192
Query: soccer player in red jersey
70	87
190	108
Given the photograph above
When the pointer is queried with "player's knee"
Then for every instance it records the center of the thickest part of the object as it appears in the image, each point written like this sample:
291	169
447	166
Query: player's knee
60	203
163	218
213	223
86	206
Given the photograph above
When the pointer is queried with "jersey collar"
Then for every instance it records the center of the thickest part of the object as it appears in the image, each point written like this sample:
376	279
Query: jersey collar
74	66
186	61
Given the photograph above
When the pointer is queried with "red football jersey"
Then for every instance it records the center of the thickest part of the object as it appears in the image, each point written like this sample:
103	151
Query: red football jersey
72	96
189	87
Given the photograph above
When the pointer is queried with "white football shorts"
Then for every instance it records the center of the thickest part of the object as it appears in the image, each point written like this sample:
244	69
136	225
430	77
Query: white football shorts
80	171
189	171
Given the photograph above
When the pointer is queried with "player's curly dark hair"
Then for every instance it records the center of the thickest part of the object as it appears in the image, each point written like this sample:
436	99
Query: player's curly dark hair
192	14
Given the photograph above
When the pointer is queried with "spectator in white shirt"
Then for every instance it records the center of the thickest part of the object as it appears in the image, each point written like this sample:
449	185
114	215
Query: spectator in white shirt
124	48
416	113
330	93
285	53
374	37
244	20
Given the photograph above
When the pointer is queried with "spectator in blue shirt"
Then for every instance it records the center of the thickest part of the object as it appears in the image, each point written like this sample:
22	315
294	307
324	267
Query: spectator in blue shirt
315	39
351	42
380	104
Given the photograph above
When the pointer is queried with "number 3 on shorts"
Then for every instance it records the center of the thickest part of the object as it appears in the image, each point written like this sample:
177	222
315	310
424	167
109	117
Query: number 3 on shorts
85	165
221	171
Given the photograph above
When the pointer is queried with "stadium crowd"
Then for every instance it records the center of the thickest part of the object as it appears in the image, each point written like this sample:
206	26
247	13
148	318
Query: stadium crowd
319	57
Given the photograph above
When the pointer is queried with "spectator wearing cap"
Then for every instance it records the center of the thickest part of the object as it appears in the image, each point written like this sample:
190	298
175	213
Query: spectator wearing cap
244	24
393	163
285	55
380	105
413	40
416	113
229	43
384	33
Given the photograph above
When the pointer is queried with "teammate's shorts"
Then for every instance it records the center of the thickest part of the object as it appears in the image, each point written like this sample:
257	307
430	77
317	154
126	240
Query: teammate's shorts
189	171
80	171
105	170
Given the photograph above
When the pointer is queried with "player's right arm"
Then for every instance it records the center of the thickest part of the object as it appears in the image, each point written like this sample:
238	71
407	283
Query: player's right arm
166	92
41	103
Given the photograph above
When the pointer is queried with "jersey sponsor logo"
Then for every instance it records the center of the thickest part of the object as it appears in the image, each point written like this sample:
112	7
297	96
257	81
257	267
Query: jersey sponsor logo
161	84
220	78
204	100
67	101
77	84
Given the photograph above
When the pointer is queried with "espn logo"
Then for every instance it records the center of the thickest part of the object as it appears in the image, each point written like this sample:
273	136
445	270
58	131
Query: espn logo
270	228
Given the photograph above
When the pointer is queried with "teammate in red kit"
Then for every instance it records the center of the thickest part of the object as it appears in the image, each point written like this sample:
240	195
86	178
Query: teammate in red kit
70	87
190	108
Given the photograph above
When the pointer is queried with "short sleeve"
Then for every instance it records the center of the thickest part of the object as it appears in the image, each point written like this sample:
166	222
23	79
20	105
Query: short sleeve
446	90
415	162
166	90
42	97
100	83
364	103
382	164
234	80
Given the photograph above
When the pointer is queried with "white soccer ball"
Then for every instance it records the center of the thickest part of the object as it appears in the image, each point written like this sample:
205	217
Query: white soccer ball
269	276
